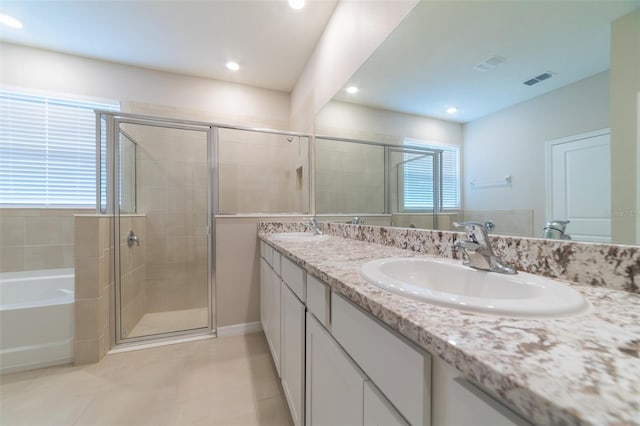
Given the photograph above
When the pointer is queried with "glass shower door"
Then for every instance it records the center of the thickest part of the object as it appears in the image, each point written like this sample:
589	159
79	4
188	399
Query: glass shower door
414	189
163	212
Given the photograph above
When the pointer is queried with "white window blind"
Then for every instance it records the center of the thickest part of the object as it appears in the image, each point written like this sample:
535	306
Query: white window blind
47	150
418	178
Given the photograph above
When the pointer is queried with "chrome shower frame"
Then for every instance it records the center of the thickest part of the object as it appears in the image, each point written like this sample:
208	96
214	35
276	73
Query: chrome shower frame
113	120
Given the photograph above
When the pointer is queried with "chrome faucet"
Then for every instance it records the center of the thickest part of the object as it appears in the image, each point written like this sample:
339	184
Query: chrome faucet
477	249
315	226
356	221
556	229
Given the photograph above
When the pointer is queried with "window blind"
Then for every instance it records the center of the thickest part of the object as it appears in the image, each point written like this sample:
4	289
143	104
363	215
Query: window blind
47	150
418	178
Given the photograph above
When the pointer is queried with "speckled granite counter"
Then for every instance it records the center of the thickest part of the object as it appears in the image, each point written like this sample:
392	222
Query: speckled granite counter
582	370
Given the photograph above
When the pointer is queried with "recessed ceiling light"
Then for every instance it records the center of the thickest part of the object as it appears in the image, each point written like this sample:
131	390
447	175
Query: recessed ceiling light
452	110
10	21
296	4
233	66
352	90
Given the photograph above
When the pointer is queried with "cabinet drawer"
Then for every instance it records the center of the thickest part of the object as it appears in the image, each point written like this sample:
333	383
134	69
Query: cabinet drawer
294	277
318	294
399	370
457	401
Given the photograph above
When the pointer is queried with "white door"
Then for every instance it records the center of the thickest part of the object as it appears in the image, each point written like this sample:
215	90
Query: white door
579	185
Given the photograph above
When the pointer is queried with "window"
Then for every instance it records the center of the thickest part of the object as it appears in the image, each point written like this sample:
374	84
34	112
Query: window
47	151
418	182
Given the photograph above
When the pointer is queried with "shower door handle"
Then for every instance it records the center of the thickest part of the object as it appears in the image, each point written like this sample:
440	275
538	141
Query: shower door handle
132	238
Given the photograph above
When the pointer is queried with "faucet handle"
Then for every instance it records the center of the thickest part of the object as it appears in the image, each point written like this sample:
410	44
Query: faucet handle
476	231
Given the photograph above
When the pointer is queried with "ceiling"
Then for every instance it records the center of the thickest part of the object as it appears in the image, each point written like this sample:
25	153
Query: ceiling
426	65
270	41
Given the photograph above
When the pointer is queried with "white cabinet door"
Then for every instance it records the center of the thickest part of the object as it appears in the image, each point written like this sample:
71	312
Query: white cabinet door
378	411
270	310
335	386
293	319
265	275
275	320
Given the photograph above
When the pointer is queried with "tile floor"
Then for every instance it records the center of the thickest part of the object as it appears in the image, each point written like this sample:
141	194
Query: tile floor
165	322
222	381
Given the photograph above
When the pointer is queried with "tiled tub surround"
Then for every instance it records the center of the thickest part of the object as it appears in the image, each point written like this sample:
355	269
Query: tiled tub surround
579	370
94	282
37	238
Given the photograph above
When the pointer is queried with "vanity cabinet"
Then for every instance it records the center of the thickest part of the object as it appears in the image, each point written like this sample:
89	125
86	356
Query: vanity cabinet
283	321
340	366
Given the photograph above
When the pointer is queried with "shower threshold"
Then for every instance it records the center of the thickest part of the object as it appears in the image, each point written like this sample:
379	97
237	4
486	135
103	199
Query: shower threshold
170	321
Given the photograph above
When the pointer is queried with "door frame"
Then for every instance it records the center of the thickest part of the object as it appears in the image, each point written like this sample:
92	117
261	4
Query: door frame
113	206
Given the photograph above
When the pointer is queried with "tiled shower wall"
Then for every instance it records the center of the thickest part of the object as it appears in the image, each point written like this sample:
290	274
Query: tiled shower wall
349	178
133	276
262	172
33	239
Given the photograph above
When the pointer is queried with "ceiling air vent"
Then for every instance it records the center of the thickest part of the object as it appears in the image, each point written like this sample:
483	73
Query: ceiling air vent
489	63
537	79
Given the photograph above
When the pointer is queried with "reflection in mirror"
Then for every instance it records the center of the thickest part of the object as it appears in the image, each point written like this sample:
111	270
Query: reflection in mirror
545	118
349	178
262	172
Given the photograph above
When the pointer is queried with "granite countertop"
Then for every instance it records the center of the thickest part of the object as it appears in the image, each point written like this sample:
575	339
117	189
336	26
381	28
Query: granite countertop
581	370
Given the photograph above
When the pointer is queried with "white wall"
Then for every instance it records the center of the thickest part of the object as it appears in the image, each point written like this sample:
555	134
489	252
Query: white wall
199	98
625	129
353	121
512	141
354	31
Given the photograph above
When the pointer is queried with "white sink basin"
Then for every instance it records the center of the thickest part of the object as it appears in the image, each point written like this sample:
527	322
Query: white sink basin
448	283
298	236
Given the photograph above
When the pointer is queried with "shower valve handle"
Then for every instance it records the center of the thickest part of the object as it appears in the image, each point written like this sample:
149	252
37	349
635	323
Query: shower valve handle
132	238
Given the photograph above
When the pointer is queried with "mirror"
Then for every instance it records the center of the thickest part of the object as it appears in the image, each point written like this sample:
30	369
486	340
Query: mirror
525	92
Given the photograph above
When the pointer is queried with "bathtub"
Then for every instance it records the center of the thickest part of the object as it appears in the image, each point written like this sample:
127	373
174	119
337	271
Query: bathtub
36	319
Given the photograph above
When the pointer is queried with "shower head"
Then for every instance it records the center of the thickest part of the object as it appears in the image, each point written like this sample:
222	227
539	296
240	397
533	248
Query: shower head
290	139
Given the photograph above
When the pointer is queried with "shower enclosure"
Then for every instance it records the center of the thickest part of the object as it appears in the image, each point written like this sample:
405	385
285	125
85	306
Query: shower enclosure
163	182
155	180
397	184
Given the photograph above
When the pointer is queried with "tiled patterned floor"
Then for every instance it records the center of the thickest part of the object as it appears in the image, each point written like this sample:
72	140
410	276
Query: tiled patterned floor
223	381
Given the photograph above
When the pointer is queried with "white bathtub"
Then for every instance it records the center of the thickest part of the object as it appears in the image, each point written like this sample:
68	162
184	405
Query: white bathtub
36	319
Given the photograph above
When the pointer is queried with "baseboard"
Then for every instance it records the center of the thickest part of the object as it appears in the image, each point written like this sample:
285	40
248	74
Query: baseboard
35	365
238	329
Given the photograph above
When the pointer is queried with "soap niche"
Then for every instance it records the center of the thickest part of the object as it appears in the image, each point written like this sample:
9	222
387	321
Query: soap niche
299	174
